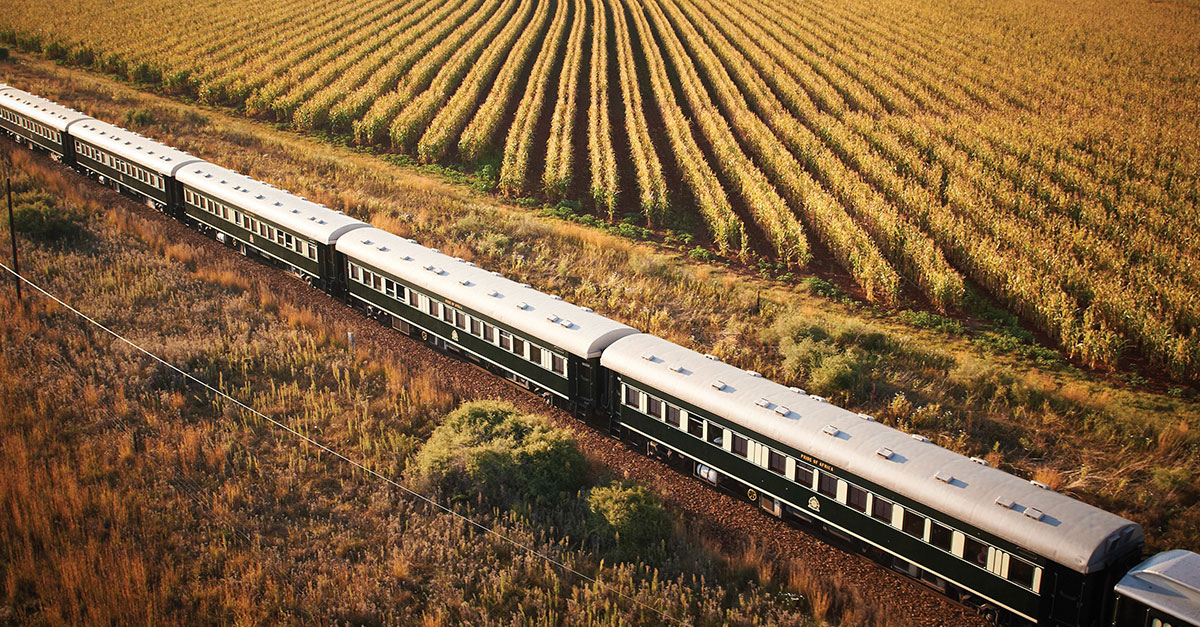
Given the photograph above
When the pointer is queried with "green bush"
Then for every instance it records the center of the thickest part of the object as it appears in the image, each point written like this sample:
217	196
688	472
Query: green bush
630	519
38	217
490	451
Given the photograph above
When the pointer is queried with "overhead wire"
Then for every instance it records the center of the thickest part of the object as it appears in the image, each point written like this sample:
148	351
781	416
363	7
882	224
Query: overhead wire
338	455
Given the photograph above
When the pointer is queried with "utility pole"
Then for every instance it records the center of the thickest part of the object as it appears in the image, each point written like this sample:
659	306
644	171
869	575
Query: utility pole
12	229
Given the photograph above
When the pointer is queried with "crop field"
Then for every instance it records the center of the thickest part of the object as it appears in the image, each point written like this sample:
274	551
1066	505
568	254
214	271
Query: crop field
1044	154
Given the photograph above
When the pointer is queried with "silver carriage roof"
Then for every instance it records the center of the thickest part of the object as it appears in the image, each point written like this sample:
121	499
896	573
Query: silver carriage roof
291	212
131	146
1168	582
45	111
575	329
1058	527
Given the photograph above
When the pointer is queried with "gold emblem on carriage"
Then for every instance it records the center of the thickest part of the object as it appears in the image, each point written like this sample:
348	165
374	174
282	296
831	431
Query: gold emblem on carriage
454	335
814	504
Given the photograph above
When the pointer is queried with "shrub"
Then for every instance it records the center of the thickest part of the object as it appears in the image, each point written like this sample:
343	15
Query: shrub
38	217
489	449
630	518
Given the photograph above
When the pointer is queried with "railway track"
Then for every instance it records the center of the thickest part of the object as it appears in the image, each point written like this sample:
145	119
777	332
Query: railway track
729	522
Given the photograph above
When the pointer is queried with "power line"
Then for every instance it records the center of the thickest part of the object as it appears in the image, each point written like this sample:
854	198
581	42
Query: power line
421	497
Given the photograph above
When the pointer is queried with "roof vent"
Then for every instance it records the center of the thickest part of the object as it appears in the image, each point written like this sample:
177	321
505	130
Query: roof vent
410	240
718	384
436	250
470	263
867	417
754	374
711	357
553	318
222	181
944	477
648	356
1039	484
556	297
782	411
799	391
523	284
458	258
675	368
382	249
493	293
831	430
494	273
465	283
764	403
981	461
259	197
1004	502
278	204
819	399
885	452
404	258
428	267
522	305
368	242
1034	513
587	309
566	324
312	218
295	211
920	438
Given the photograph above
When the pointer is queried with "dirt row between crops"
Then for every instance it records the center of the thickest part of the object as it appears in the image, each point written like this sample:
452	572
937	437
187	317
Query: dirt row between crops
730	523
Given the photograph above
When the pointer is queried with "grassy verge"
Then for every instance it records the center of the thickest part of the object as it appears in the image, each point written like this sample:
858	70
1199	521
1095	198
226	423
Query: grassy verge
131	495
982	386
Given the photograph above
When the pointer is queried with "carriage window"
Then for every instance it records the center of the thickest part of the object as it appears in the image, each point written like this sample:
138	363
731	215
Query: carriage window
401	291
558	364
448	314
975	552
633	398
476	328
696	427
940	536
673	416
414	298
827	484
378	282
460	320
881	509
535	354
804	474
435	308
716	435
776	463
489	332
506	340
857	498
518	346
654	407
914	524
389	287
741	446
1020	572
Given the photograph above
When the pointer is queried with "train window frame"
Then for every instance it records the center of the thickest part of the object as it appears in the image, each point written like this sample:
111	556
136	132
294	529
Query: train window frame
535	353
856	498
806	471
414	299
489	332
941	536
505	340
776	462
975	551
674	416
1018	577
558	364
740	446
910	525
447	315
715	435
695	427
476	327
632	397
518	348
827	484
460	320
882	509
654	407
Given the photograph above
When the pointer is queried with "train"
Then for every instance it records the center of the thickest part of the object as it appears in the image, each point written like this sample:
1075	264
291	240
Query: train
1015	550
